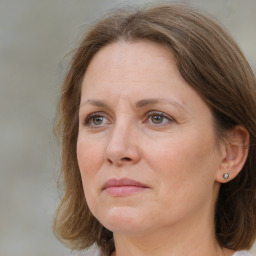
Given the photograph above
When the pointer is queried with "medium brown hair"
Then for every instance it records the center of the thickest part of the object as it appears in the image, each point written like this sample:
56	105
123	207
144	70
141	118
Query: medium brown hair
214	66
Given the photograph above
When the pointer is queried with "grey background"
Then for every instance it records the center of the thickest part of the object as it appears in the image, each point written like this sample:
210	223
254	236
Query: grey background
34	39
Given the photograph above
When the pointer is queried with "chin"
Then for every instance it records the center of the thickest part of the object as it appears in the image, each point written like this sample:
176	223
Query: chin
123	220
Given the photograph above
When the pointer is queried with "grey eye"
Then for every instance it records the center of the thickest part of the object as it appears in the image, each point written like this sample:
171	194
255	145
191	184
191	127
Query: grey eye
97	120
157	119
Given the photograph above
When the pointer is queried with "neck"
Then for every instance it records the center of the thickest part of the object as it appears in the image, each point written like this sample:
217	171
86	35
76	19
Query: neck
193	237
191	244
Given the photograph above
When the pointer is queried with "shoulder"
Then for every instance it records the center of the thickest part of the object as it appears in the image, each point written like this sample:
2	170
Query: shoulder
242	253
90	252
97	252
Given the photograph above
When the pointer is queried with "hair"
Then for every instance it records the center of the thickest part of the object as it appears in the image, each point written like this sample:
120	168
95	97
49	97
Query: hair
214	66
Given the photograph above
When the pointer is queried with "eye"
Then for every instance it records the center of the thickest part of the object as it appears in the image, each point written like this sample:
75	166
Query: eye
158	118
96	120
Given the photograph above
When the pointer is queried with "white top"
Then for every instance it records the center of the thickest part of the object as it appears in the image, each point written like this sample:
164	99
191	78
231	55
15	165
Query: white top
96	252
242	253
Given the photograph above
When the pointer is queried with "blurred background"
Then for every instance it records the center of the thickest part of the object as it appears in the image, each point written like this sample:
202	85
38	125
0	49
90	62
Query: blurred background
35	37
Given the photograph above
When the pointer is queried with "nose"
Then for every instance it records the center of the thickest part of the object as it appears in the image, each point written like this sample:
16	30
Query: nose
122	148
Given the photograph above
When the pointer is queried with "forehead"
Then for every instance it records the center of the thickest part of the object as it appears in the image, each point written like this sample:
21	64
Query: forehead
134	71
131	64
125	52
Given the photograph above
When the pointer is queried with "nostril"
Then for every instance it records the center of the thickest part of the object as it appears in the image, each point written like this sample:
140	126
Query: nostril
109	161
126	159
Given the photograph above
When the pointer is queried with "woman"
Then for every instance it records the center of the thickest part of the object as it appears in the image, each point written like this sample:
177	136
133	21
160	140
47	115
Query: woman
157	117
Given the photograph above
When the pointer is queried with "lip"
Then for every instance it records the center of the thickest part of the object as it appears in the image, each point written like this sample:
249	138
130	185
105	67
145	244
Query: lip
123	187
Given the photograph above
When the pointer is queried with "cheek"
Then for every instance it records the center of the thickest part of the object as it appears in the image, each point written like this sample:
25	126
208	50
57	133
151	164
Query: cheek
185	164
90	158
184	175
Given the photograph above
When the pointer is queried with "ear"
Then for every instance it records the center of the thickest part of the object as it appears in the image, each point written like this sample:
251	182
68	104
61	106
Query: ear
234	155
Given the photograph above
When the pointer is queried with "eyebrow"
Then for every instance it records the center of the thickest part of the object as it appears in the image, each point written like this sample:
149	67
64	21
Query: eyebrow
139	104
146	102
97	103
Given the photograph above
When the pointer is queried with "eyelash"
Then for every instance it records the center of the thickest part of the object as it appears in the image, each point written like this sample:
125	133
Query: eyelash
149	114
90	118
161	114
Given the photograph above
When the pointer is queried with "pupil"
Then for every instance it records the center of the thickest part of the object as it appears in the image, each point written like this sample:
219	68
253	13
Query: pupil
157	119
97	120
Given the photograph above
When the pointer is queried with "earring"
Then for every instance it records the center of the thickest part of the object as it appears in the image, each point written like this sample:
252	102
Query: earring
226	176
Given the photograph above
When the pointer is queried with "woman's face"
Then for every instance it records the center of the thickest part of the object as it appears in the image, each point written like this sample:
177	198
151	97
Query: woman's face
146	145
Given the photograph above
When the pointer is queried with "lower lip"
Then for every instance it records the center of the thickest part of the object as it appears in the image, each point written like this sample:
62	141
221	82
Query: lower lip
124	190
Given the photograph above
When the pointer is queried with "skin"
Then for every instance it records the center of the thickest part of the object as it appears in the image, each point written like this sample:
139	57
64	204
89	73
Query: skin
172	150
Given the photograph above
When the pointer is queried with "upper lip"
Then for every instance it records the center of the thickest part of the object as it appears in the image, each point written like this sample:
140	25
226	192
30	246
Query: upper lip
123	182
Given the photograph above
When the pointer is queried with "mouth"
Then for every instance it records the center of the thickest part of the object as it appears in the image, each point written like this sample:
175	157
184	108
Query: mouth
123	187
